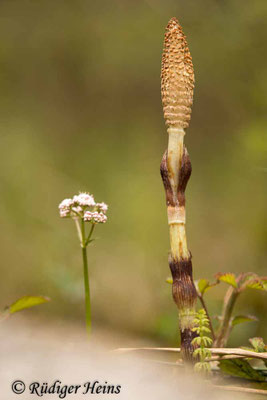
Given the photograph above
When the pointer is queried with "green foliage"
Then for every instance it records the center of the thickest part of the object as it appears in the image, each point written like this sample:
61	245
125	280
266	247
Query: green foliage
257	284
243	281
237	285
241	368
227	321
202	353
203	285
228	278
26	302
240	319
258	344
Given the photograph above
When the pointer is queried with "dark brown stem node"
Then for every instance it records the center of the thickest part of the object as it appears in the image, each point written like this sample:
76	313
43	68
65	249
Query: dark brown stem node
185	296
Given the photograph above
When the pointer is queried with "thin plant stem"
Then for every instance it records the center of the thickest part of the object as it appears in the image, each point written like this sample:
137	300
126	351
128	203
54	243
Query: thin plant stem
87	292
90	234
86	280
223	331
202	301
76	220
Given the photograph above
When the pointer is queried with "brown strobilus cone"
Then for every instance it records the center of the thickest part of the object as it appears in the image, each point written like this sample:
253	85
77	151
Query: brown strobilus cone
177	85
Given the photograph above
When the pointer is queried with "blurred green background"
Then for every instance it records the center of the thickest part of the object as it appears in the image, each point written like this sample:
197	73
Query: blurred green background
81	110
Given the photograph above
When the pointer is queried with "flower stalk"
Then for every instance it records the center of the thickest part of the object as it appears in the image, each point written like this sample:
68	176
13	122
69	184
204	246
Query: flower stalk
82	209
177	84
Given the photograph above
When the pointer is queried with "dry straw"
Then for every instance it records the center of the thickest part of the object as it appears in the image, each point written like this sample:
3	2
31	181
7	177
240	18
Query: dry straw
177	85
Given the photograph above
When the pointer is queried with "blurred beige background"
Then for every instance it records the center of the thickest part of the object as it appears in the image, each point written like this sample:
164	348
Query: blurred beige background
81	110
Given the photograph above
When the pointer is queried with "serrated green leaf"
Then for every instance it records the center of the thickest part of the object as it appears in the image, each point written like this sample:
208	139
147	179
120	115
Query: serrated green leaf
256	284
240	319
26	302
228	278
240	368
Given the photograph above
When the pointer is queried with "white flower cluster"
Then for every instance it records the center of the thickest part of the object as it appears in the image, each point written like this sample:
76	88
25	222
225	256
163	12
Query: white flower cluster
95	217
78	207
84	199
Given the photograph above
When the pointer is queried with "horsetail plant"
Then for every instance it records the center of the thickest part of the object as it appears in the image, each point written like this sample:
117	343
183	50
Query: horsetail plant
177	85
202	353
83	209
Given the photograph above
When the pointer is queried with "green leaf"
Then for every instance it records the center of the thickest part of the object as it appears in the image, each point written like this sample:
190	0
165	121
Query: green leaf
240	368
197	340
258	344
264	283
26	302
254	281
205	329
203	352
202	367
203	285
228	278
207	341
256	284
240	319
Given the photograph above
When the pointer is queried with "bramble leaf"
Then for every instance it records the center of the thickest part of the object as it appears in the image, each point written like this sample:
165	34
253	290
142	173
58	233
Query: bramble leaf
256	284
26	302
240	368
239	319
228	278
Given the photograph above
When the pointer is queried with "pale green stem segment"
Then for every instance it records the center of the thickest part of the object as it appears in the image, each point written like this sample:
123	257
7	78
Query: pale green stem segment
84	242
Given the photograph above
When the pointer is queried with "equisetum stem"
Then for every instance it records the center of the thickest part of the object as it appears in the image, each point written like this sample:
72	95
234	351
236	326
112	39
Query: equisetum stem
177	84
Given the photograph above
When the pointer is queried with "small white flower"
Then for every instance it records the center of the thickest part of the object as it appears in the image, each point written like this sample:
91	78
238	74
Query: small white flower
88	216
76	208
84	199
102	207
65	208
100	217
95	217
64	213
66	203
